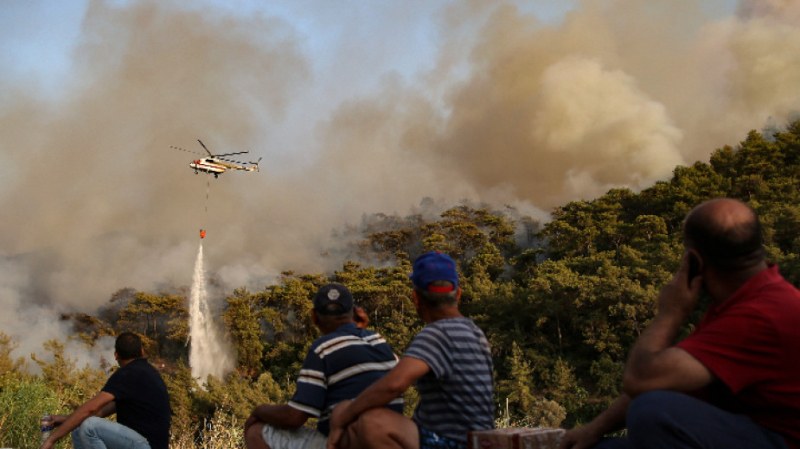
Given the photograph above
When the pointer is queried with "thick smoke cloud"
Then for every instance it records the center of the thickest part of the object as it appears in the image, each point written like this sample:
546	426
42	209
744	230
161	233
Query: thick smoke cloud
512	110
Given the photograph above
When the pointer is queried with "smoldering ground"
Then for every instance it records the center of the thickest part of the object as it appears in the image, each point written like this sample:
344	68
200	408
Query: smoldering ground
512	109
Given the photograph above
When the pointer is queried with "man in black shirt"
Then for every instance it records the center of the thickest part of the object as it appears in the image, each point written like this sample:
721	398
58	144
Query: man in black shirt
135	392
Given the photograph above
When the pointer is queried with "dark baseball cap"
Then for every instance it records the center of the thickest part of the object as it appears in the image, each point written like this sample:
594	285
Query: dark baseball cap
333	299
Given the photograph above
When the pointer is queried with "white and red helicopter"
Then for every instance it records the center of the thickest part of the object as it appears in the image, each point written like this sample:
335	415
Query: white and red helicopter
216	164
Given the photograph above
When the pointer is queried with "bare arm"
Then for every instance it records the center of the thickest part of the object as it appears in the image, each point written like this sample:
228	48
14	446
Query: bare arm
90	408
611	420
380	393
108	409
653	362
283	416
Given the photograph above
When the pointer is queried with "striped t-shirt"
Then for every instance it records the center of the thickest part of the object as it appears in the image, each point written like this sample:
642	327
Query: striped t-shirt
457	394
339	365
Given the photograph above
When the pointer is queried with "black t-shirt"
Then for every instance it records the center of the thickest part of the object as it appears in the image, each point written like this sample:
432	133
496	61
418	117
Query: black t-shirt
142	401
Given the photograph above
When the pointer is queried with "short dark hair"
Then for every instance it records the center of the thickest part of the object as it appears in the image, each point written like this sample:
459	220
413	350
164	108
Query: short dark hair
438	298
332	310
334	317
731	246
128	346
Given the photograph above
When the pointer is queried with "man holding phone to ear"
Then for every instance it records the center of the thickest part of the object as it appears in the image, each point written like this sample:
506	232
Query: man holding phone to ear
735	381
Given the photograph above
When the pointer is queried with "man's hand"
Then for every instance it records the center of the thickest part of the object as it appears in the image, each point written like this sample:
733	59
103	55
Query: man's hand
678	297
582	437
58	419
654	363
337	424
360	317
610	420
47	444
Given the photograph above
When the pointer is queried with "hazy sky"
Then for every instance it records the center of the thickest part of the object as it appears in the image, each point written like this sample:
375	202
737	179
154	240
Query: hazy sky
357	107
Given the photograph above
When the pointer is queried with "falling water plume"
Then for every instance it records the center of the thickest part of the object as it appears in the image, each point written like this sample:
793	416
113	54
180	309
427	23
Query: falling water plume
208	354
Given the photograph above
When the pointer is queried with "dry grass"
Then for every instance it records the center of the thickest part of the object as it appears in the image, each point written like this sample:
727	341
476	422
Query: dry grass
223	431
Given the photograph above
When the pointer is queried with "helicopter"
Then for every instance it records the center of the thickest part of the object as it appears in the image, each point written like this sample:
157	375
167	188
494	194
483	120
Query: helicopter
216	164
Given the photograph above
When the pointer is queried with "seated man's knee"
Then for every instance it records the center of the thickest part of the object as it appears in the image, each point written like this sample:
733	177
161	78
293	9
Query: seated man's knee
381	427
254	437
371	419
89	425
86	431
374	422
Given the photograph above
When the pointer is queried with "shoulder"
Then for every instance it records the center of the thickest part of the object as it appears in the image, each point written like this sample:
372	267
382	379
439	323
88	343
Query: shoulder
770	283
342	333
451	326
139	369
349	338
440	331
769	298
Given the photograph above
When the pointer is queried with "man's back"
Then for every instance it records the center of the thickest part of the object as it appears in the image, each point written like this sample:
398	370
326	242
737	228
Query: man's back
750	342
457	393
339	365
142	401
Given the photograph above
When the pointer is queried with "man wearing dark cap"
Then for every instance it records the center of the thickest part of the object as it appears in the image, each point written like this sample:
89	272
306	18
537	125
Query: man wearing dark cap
338	366
734	382
450	361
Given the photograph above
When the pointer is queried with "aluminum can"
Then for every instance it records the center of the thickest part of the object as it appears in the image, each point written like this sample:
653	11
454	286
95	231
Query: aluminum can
46	425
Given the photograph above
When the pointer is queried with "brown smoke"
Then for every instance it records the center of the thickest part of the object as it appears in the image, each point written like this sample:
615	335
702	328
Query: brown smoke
514	110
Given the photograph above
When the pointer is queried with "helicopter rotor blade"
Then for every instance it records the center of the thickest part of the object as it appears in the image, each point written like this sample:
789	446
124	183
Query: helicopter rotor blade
231	154
204	147
231	160
184	149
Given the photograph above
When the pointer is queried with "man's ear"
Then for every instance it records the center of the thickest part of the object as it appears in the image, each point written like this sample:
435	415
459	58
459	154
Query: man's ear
458	295
695	263
314	317
415	298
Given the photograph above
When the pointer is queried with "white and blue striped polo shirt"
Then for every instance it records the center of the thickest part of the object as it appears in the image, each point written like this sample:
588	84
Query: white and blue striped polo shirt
340	365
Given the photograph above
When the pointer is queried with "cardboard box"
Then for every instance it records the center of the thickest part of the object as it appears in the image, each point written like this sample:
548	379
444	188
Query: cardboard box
515	438
542	438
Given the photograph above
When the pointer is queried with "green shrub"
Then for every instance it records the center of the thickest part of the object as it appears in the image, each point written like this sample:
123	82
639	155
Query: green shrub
21	408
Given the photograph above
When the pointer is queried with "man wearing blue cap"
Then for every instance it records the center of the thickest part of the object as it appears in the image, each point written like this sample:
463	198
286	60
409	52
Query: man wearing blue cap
450	361
338	366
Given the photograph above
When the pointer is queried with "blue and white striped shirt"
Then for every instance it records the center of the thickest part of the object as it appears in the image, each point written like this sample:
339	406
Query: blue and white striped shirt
338	366
457	394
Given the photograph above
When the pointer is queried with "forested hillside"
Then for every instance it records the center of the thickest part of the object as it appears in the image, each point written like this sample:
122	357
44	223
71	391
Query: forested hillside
561	302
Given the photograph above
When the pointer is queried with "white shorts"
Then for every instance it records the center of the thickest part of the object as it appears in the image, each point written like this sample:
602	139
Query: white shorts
300	438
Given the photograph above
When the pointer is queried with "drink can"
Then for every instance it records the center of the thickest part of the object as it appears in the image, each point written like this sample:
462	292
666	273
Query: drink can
46	426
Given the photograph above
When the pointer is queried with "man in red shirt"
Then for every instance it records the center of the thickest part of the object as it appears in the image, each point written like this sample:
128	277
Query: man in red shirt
735	381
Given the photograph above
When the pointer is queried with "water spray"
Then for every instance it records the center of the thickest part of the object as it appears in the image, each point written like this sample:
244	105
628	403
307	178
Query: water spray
208	354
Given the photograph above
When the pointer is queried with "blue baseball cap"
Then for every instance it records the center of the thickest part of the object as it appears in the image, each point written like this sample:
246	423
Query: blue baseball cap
434	266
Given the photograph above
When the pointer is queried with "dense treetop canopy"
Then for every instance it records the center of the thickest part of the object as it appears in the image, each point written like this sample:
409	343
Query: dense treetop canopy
561	302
